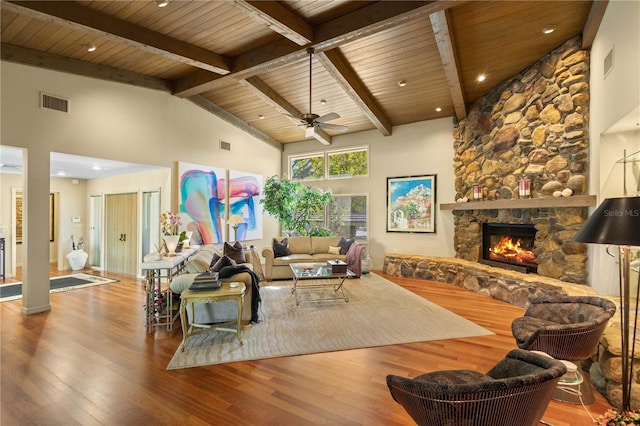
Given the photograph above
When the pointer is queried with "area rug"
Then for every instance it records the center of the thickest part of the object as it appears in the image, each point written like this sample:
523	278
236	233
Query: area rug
378	313
13	291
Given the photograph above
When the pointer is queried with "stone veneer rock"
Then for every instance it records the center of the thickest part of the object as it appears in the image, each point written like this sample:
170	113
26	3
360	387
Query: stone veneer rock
502	284
533	126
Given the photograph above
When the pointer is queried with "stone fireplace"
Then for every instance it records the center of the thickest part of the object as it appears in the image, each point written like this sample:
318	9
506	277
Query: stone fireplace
533	127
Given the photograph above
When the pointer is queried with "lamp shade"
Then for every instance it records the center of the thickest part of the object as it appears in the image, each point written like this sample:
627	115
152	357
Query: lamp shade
235	220
615	221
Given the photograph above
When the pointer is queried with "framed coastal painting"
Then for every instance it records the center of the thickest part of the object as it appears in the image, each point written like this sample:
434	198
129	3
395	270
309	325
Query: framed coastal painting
411	202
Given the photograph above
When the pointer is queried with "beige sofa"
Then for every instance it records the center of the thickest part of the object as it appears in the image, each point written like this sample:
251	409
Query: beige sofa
303	250
206	313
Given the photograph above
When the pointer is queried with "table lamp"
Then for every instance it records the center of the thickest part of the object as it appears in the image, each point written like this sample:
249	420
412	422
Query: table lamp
616	221
234	221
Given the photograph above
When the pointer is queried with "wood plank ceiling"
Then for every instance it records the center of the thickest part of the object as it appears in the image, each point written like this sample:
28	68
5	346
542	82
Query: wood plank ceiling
247	61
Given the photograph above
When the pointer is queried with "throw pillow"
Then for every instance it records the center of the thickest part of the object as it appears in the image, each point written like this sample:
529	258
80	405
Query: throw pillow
345	244
281	248
235	252
222	262
334	250
214	259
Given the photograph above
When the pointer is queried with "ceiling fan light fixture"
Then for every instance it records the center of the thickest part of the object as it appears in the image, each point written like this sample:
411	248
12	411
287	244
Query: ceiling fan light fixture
402	83
549	29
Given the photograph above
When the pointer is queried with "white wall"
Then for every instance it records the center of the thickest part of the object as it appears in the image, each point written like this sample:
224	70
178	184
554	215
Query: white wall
70	201
118	122
412	149
612	97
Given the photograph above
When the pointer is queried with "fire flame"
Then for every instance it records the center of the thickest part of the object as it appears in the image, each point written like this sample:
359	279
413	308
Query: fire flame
507	249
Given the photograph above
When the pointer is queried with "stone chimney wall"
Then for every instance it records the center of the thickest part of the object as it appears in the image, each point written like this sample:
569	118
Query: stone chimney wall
533	126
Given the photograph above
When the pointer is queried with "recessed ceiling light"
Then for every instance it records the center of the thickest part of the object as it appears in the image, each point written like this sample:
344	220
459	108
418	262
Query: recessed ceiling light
438	109
89	47
402	83
162	3
482	77
323	101
61	173
96	167
261	117
549	29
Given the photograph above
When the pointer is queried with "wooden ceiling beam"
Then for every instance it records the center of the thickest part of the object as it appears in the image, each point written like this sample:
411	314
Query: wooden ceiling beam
279	19
73	15
270	96
598	7
225	115
360	23
22	55
441	30
338	67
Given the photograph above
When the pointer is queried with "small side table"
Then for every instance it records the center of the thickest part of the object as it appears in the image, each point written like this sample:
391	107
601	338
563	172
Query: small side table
225	292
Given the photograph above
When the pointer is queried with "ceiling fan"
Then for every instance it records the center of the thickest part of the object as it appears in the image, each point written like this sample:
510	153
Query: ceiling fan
311	122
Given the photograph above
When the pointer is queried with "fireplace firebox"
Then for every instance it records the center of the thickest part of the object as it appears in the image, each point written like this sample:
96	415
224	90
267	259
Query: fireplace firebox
509	246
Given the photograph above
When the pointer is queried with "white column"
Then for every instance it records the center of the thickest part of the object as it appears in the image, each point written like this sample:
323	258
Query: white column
35	232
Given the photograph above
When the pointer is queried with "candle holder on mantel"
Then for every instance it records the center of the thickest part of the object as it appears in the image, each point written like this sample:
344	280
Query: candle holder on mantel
477	193
524	188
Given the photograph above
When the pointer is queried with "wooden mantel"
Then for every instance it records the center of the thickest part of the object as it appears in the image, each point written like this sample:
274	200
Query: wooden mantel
530	203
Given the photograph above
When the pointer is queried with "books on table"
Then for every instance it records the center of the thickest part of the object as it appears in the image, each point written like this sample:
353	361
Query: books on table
206	281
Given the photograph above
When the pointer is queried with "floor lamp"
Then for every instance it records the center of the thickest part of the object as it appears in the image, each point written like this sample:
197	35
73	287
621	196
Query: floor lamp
235	220
616	221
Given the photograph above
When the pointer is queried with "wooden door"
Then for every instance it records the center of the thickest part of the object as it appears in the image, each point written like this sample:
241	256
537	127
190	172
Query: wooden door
121	233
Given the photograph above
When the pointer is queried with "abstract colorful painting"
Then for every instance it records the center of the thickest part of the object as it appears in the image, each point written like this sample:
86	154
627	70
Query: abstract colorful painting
245	191
202	197
411	202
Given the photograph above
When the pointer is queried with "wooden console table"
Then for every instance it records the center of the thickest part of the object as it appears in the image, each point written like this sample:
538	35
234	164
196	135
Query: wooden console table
155	272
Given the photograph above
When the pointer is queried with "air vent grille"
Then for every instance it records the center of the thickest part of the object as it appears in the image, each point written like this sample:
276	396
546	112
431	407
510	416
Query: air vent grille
608	63
54	102
225	145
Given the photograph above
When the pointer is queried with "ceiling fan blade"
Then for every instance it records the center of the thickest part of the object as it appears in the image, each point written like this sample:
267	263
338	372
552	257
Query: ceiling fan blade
309	131
327	117
335	127
296	120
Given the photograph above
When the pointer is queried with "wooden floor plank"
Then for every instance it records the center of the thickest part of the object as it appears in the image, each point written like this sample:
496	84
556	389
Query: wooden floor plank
89	361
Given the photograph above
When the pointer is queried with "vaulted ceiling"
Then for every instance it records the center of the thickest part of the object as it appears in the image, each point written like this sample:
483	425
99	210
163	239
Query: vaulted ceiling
248	62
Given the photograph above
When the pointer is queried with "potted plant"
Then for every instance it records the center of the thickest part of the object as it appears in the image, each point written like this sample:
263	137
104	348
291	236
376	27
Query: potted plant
294	204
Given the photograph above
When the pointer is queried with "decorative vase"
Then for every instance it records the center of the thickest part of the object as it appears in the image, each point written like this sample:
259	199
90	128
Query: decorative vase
77	259
366	265
171	242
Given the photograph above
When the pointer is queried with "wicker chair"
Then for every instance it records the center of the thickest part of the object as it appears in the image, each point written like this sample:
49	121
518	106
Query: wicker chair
565	327
514	392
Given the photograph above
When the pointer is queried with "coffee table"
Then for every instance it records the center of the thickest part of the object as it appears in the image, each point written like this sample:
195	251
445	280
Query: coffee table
309	272
225	292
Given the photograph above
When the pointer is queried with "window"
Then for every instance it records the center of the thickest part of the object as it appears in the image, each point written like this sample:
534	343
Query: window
338	164
348	163
347	217
308	167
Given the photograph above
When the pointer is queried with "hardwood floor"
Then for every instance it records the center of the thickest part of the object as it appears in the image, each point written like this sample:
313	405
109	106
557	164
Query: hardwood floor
89	361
